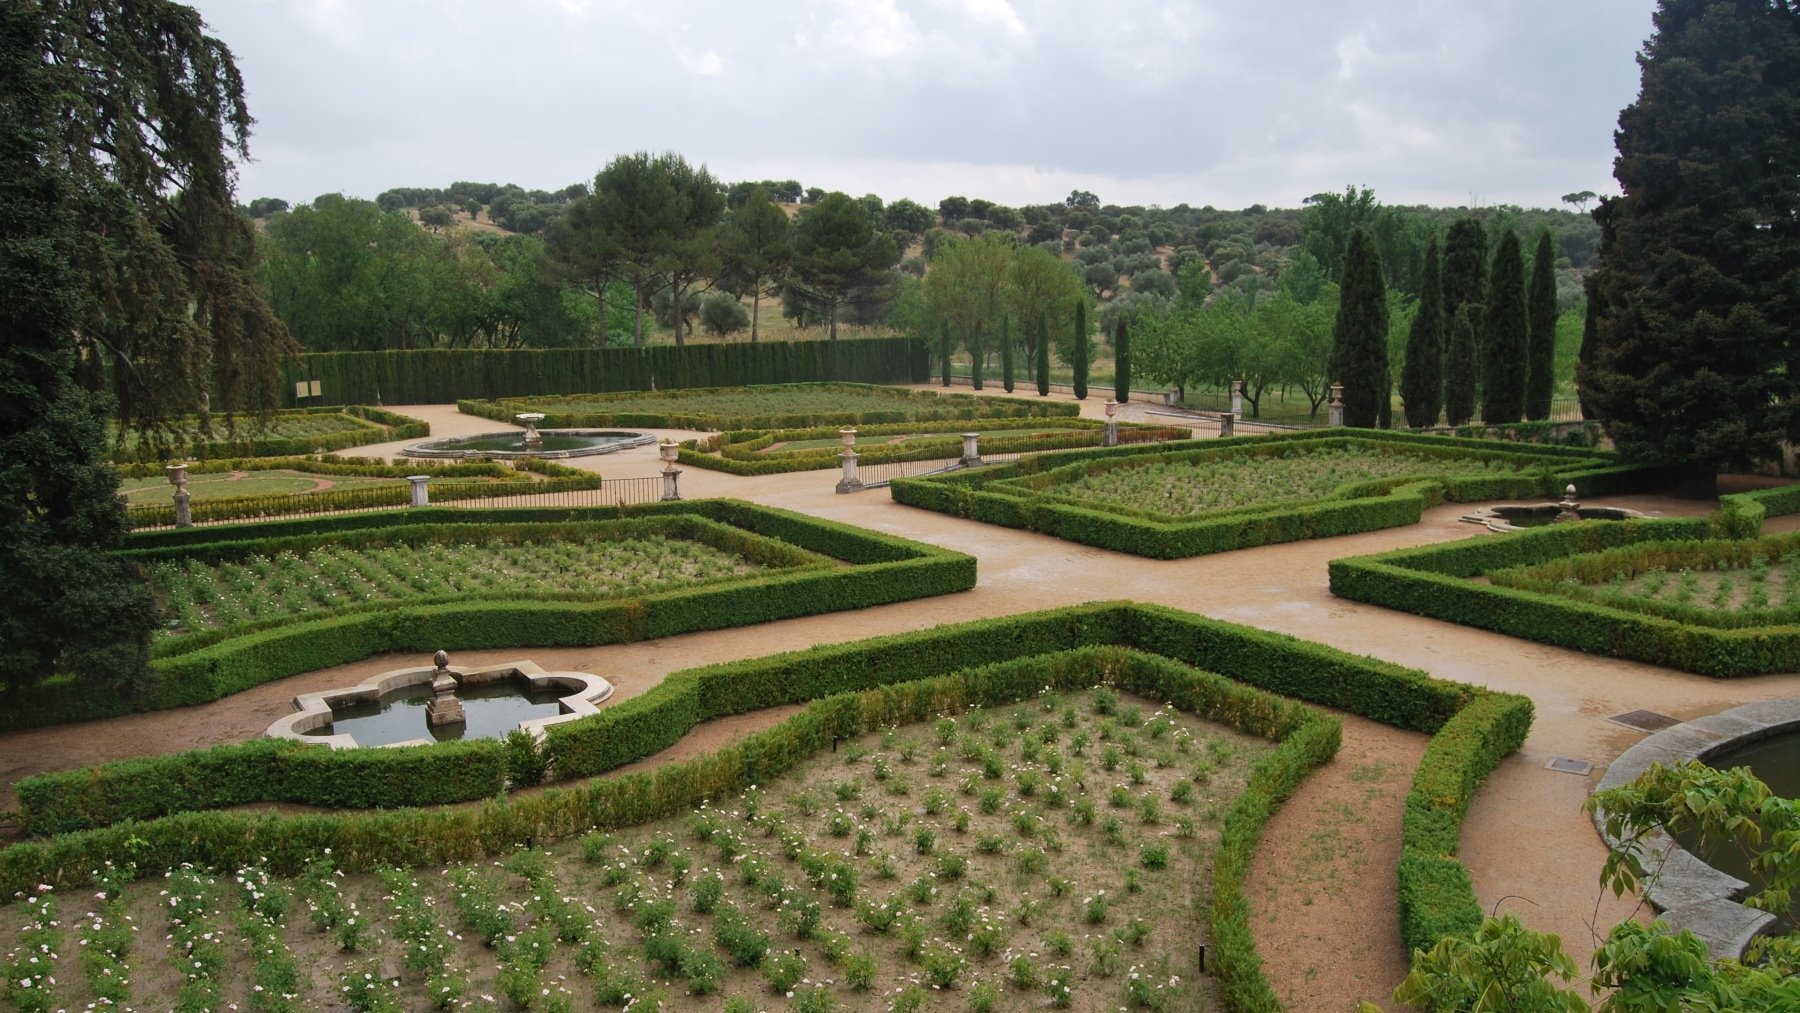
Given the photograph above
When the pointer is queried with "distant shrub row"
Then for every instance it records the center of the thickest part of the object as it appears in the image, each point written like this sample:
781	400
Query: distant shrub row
384	427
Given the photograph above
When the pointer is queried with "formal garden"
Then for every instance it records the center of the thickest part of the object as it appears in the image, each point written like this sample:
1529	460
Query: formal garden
772	406
275	434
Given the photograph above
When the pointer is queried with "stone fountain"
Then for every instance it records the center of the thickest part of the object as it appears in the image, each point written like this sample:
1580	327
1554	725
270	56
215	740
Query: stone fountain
533	440
444	708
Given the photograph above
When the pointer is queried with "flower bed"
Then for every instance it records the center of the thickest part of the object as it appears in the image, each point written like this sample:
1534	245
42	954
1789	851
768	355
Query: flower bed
289	431
1175	501
774	406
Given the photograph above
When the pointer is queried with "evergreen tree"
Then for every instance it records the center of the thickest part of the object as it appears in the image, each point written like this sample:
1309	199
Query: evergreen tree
1359	336
1459	369
1043	355
1465	273
1080	365
1422	377
1505	335
977	356
1590	344
1121	362
1540	375
1700	257
1006	354
944	352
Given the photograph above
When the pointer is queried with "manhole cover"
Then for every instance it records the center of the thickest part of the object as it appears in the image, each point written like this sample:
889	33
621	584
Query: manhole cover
1644	721
1569	766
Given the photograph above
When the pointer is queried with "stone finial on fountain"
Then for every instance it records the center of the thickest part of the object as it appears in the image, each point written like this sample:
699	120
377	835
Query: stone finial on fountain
444	708
1571	510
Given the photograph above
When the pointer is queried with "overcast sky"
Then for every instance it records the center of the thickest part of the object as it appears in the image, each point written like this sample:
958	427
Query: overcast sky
1207	102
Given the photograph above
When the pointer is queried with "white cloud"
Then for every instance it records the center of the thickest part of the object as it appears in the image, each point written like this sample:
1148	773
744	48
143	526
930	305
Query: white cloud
706	64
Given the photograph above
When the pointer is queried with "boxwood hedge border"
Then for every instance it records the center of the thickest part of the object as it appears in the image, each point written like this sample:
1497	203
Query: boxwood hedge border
849	688
997	495
1433	581
384	426
884	569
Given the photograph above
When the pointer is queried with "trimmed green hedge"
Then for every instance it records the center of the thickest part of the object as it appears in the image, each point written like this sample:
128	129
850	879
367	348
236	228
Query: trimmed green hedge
1022	495
474	485
440	376
384	427
665	410
1433	581
739	453
885	569
860	686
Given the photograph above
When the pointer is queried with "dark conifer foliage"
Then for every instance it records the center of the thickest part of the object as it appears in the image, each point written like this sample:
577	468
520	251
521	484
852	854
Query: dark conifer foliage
1359	337
1043	355
1459	369
1590	344
1699	285
1422	377
1540	372
944	352
1006	354
1121	362
977	357
1505	335
1465	272
1080	365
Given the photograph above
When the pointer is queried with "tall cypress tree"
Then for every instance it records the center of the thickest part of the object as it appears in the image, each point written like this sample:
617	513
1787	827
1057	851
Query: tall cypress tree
1422	378
1080	365
1121	362
1505	335
1465	274
1359	337
1459	369
1006	354
1590	346
1043	355
1540	374
944	352
977	355
1699	290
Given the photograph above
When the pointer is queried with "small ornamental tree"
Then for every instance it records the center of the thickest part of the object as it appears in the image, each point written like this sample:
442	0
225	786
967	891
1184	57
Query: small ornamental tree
1359	336
1043	355
1121	363
1459	369
1080	365
1006	354
1540	311
944	353
1422	378
1505	335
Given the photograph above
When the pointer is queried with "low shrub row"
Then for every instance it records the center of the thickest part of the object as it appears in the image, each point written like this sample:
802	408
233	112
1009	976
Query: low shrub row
1023	495
687	409
464	481
884	569
1434	581
741	452
855	687
262	437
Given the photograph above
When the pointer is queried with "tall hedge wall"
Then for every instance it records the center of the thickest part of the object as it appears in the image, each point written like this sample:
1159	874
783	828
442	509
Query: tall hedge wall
440	376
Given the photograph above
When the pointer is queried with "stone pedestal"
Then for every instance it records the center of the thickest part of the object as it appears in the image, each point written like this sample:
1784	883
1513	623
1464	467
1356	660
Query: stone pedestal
971	453
850	482
1337	404
444	708
1237	398
1112	423
421	496
671	475
178	477
1227	424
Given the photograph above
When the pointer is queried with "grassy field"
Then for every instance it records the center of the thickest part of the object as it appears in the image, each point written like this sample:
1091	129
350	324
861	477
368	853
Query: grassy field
1048	854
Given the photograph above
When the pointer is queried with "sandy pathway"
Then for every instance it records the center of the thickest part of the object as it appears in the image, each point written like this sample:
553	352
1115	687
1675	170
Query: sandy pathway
1529	847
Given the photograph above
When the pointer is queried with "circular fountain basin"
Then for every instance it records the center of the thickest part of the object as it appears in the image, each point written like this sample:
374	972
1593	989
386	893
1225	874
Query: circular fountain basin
554	443
1519	516
497	699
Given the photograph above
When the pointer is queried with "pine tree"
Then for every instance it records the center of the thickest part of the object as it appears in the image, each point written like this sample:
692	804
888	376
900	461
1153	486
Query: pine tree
1459	369
1043	355
1006	354
1121	362
1699	285
1505	335
1422	378
944	352
1540	375
1080	365
1359	336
